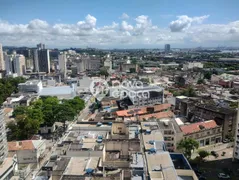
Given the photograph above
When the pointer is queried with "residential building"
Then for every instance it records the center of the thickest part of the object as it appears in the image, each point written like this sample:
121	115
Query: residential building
7	164
167	48
191	65
35	60
224	117
2	64
27	151
108	62
236	143
3	138
40	46
129	67
62	64
19	65
206	133
44	60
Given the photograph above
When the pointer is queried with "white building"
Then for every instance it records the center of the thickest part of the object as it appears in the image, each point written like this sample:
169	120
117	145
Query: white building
7	164
62	64
2	64
30	86
15	64
108	62
191	65
19	64
28	151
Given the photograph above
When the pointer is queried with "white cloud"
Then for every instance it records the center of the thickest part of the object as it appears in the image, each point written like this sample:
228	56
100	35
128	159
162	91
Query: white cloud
187	31
124	16
183	22
126	27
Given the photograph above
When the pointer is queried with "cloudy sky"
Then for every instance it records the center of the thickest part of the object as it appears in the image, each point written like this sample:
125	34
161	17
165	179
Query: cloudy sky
120	24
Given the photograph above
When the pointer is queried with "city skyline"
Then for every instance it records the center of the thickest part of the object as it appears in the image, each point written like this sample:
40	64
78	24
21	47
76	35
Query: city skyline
106	24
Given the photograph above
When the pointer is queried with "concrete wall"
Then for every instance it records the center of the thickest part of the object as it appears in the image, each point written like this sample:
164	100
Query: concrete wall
26	156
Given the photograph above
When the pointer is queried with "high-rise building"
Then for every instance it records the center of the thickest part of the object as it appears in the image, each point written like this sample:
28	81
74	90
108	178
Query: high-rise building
2	64
62	63
35	60
236	145
43	60
19	64
3	138
40	46
167	48
15	64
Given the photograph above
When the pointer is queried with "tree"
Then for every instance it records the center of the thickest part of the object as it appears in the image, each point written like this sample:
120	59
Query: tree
20	110
200	81
187	146
64	112
23	129
203	154
233	105
207	75
104	72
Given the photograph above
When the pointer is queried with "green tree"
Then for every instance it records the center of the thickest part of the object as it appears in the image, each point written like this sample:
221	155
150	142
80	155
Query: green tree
187	146
104	72
64	113
203	154
200	81
207	75
233	105
20	110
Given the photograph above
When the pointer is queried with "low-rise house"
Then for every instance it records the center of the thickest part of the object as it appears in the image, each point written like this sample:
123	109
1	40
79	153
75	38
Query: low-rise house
28	151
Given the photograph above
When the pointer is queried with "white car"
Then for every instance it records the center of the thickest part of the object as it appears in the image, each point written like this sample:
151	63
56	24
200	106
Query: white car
223	176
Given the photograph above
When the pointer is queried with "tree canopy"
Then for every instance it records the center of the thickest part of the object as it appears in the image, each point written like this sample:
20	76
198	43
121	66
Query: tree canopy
187	146
45	111
9	86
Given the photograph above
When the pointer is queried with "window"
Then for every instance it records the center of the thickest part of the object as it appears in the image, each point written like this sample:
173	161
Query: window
218	130
208	132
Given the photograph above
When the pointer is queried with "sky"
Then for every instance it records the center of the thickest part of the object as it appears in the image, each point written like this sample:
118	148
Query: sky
119	23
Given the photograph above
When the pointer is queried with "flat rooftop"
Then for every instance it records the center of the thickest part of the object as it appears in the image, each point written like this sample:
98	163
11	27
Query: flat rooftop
154	136
160	164
78	165
145	88
58	90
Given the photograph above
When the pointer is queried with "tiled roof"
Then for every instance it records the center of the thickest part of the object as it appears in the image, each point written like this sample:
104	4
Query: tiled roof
20	145
195	127
143	110
159	115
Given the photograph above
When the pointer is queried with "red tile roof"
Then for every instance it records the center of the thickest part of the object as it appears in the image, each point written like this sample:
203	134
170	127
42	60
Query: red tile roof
20	145
142	110
195	127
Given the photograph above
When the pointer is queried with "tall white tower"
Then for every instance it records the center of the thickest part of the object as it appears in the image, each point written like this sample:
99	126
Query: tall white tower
2	63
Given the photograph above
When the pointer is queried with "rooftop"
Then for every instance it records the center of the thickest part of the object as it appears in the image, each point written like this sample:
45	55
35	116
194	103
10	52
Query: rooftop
217	109
24	145
143	110
196	127
79	165
159	115
58	90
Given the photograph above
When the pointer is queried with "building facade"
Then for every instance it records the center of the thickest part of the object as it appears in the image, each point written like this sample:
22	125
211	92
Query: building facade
19	65
167	48
62	64
3	138
2	64
44	60
206	133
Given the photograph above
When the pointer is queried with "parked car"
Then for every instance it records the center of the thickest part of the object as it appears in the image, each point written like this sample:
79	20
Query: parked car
223	176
